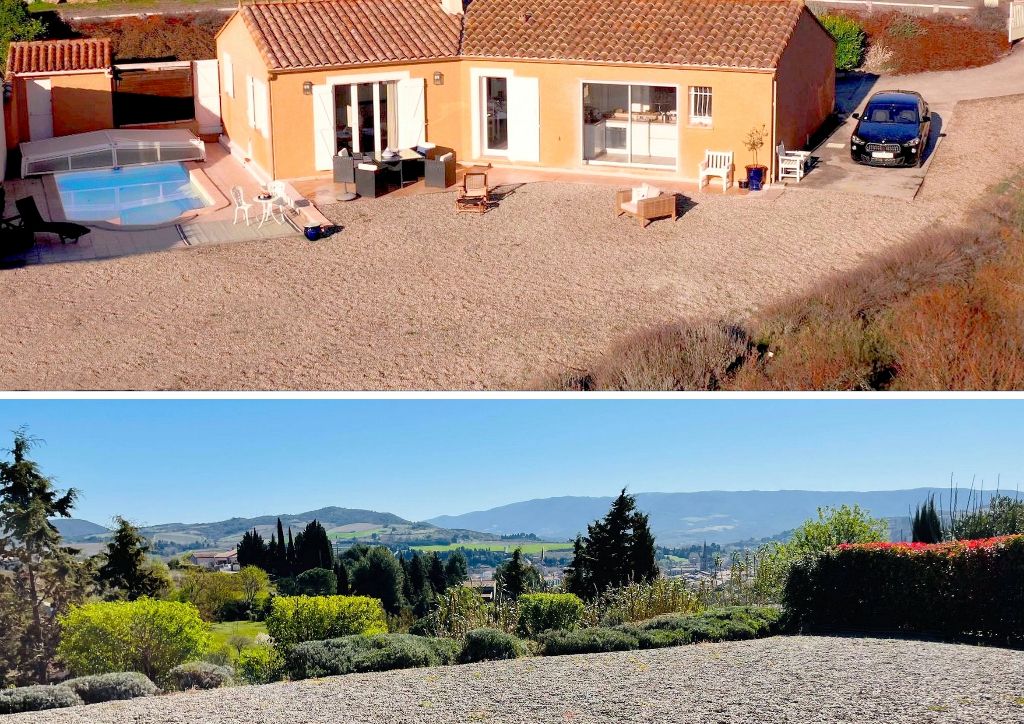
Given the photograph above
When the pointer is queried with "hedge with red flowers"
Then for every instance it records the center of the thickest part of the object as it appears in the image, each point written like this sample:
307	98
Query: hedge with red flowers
964	589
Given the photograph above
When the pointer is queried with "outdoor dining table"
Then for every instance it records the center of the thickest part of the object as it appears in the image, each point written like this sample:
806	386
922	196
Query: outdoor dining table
268	205
407	163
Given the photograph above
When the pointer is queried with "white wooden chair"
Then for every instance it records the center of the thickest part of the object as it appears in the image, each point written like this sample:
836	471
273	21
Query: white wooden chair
717	164
241	205
792	164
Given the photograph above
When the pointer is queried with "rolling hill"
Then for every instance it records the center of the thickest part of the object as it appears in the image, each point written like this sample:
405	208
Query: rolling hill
74	529
682	518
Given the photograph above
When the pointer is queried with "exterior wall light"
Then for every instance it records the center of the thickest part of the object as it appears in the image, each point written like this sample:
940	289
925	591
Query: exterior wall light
438	78
307	88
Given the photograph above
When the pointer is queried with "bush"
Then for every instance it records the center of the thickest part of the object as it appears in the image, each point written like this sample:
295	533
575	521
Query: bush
317	582
965	589
144	635
543	611
729	623
294	619
490	644
352	654
588	641
260	665
37	698
849	35
198	675
98	688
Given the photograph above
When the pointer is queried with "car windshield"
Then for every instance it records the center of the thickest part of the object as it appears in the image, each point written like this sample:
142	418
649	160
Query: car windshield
891	113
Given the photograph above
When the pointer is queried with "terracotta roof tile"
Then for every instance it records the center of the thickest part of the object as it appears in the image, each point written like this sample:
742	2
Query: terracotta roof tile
718	33
54	56
332	33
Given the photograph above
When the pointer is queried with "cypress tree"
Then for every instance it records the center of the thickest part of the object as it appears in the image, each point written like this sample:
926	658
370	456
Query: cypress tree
438	579
926	526
289	557
342	574
313	548
253	551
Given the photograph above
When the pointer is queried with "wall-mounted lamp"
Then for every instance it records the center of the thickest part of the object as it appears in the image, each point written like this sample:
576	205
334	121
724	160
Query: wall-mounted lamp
307	88
438	78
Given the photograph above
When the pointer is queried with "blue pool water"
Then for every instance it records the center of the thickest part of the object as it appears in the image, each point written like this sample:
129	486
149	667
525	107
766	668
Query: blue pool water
130	195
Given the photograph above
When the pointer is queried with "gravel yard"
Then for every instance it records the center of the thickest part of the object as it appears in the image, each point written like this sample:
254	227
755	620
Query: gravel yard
783	679
409	295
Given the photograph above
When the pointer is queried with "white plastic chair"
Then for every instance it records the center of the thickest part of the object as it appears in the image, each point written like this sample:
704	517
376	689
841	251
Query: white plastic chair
241	205
716	164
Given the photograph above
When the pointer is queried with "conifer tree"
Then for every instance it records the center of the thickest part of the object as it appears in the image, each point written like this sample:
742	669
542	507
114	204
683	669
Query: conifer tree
341	572
313	548
281	554
517	576
438	579
925	525
456	569
126	572
289	556
253	551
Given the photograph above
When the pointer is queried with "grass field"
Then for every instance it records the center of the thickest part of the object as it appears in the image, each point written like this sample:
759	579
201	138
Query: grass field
222	632
349	534
503	545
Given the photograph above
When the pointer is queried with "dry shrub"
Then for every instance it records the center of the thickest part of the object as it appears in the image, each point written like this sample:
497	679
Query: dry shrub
878	59
680	356
158	37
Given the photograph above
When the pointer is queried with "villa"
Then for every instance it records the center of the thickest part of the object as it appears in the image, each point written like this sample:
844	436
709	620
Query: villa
603	86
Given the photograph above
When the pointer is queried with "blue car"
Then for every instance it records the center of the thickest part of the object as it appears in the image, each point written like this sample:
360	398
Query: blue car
892	131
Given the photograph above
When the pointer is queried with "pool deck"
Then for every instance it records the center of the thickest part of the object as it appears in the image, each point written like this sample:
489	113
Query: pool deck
103	242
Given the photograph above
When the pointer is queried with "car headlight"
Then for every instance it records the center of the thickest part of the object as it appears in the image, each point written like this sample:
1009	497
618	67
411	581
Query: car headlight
856	139
912	142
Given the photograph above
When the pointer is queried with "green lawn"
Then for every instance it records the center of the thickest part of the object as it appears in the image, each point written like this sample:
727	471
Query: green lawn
510	545
346	535
224	631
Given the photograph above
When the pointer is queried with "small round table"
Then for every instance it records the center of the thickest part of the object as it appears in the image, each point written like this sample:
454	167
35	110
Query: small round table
269	205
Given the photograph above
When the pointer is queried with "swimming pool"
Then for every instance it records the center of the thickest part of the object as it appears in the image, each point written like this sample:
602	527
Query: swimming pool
134	195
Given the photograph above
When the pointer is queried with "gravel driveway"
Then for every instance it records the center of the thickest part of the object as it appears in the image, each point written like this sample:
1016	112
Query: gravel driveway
784	679
411	295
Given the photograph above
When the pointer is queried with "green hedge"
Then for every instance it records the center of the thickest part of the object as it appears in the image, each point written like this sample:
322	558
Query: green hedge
352	654
849	36
294	619
969	589
37	698
98	688
722	624
540	612
490	644
260	665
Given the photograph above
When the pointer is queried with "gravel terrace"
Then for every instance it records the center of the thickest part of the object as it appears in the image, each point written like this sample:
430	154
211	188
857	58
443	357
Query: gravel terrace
411	295
800	679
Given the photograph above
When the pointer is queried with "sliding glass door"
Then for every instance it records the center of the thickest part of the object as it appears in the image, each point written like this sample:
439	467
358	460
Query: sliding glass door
630	124
365	116
495	108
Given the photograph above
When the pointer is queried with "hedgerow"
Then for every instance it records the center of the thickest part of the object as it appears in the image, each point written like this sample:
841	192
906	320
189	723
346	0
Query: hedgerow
37	698
352	654
964	589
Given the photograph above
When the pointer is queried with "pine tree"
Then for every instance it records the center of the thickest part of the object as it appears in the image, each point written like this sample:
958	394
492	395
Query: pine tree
253	551
456	569
617	550
126	572
517	576
48	578
438	579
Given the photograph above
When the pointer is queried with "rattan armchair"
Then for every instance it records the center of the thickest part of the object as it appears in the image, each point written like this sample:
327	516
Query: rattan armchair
649	204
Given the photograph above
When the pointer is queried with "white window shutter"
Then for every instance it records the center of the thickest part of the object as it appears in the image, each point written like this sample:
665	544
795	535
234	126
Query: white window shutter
524	119
324	141
229	75
261	100
250	99
411	113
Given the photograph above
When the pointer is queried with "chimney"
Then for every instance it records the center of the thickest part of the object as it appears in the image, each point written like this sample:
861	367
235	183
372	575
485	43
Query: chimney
452	7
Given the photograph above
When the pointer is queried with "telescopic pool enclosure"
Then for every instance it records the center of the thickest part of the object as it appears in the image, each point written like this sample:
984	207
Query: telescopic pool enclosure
109	149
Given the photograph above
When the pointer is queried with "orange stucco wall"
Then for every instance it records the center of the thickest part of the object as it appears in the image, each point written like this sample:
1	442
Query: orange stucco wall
81	102
806	85
742	101
246	61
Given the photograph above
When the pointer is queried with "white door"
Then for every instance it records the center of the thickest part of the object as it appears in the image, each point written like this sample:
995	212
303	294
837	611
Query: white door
411	118
524	119
1016	20
40	109
323	126
206	89
495	108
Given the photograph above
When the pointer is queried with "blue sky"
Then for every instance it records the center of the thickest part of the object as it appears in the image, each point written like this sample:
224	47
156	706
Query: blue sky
158	461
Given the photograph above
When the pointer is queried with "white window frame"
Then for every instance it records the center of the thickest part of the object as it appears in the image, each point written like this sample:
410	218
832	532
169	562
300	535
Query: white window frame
629	125
701	105
250	100
229	75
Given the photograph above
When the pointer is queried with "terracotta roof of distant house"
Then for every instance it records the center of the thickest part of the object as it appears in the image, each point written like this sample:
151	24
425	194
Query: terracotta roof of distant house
332	33
747	34
55	56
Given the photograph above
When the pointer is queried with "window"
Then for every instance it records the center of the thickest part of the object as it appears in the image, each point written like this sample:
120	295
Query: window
700	105
630	124
229	75
259	108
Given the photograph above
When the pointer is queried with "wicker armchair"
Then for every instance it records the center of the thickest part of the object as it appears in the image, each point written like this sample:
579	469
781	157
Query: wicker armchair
645	204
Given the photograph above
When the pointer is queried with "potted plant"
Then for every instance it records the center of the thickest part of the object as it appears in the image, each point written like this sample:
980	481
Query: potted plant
756	173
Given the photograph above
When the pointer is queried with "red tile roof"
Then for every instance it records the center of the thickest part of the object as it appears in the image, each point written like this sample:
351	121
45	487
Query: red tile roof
749	34
55	56
332	33
716	33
